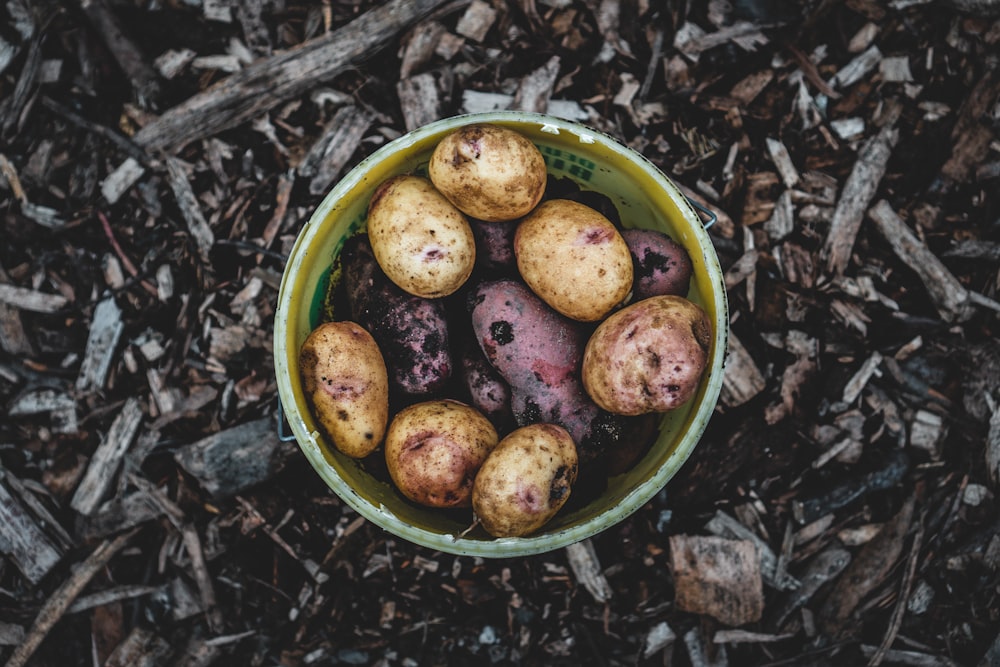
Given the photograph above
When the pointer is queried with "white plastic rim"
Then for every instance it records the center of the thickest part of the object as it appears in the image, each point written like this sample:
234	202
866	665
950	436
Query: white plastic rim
645	198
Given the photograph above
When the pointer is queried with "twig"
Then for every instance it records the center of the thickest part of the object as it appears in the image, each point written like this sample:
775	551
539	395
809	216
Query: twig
64	596
126	53
251	92
126	145
126	262
904	595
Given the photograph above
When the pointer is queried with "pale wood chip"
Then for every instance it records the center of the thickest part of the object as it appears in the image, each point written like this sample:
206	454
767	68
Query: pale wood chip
141	648
172	62
419	47
107	458
106	328
535	89
476	21
121	179
332	151
783	161
857	69
743	379
22	539
419	99
583	561
24	298
717	577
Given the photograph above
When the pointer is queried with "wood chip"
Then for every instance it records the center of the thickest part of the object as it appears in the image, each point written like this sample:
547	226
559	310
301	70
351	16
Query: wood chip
330	153
927	431
173	61
857	193
141	648
419	47
105	462
858	381
190	209
583	561
535	89
266	83
660	638
121	179
717	577
823	568
106	328
723	525
743	379
783	161
476	21
22	539
868	569
24	298
232	460
950	297
857	69
419	99
993	444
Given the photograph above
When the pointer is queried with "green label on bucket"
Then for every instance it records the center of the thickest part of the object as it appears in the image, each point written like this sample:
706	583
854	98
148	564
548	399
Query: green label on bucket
559	160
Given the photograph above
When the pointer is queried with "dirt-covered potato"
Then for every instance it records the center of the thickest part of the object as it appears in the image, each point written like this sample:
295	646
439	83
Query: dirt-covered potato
411	331
574	259
525	480
647	357
662	266
422	242
489	172
346	384
434	449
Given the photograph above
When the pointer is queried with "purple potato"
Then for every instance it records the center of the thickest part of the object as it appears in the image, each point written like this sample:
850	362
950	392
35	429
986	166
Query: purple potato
662	266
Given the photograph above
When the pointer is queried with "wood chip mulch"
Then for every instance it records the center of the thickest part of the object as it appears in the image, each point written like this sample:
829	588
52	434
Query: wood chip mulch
157	161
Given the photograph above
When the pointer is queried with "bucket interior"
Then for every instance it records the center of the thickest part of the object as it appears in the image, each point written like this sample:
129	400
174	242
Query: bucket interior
645	198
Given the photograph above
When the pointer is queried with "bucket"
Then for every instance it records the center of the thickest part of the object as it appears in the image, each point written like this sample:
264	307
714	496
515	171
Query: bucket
645	198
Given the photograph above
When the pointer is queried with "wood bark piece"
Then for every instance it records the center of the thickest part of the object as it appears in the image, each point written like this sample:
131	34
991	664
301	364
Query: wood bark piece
105	329
717	577
22	540
270	81
419	47
141	648
743	379
119	513
63	597
723	525
107	458
126	53
587	568
857	193
24	298
232	460
866	571
950	297
972	134
823	568
190	209
534	91
993	444
330	153
11	634
13	338
419	100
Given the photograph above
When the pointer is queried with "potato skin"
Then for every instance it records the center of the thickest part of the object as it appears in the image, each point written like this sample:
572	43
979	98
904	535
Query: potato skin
538	353
574	259
411	331
434	449
488	391
647	357
489	172
345	381
525	480
422	242
662	266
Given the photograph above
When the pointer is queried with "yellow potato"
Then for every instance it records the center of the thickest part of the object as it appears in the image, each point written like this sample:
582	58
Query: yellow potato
420	240
347	386
574	259
434	449
648	356
525	480
489	172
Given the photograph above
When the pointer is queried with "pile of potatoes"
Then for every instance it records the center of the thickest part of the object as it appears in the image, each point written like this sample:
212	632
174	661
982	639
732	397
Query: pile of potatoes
500	337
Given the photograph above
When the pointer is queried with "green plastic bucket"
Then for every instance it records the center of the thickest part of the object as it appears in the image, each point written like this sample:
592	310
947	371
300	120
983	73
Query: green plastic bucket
645	198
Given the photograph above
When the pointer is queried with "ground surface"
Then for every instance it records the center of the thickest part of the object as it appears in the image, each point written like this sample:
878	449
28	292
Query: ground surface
854	426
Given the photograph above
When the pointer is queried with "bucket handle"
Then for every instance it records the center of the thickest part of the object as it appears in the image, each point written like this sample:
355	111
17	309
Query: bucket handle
282	436
712	217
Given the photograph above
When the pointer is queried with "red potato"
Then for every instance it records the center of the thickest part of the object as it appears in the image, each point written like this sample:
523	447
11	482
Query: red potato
412	332
662	266
648	357
345	381
538	352
487	390
434	450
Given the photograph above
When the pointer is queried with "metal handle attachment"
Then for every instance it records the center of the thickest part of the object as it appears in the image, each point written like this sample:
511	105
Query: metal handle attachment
712	217
282	436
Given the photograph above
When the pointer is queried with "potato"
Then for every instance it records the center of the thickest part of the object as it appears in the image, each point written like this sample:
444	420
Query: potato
489	172
411	331
422	242
538	353
347	386
434	449
647	357
525	480
574	259
488	391
495	247
662	266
